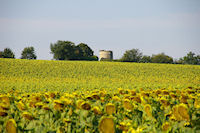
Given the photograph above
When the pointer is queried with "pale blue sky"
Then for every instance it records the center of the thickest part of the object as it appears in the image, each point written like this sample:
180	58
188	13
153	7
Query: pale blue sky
153	26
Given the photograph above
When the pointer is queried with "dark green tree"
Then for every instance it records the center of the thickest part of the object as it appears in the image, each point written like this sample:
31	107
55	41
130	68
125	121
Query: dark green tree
133	55
1	54
64	50
28	53
190	58
145	59
198	59
86	50
162	58
7	53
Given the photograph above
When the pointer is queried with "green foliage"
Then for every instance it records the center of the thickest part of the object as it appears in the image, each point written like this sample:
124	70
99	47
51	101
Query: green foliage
28	53
1	54
190	58
146	59
133	55
7	53
162	58
66	50
63	50
86	51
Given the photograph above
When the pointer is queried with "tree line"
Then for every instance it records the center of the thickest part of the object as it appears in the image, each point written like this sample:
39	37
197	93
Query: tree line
67	50
134	55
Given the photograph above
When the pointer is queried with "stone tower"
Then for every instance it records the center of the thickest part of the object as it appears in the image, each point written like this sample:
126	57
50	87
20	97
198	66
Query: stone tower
105	55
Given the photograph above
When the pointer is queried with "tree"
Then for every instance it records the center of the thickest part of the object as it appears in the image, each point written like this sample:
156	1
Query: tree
7	53
198	59
1	54
86	50
145	59
28	53
190	58
162	58
64	50
133	55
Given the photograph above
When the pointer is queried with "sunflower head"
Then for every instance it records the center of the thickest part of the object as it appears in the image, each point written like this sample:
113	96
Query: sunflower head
3	113
95	96
20	105
27	116
124	126
183	112
110	108
166	126
116	98
196	103
11	126
96	110
180	112
85	106
106	125
127	104
78	103
148	110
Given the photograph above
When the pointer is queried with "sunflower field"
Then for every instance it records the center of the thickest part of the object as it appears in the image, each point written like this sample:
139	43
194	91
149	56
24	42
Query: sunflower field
105	97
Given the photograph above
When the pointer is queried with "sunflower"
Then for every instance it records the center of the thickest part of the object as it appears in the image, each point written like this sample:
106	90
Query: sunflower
96	110
5	99
148	110
70	112
66	121
133	92
52	95
165	92
11	126
27	116
197	103
127	104
95	96
137	99
183	111
3	113
164	102
45	107
158	91
66	101
35	98
20	106
39	105
116	98
183	99
102	93
85	106
106	125
123	126
166	126
176	115
121	91
58	105
173	95
78	103
4	106
180	112
110	108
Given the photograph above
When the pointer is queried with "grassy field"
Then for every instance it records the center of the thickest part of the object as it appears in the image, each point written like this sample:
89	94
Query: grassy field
81	96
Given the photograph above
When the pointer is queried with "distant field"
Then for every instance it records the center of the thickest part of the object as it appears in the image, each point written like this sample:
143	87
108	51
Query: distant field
37	75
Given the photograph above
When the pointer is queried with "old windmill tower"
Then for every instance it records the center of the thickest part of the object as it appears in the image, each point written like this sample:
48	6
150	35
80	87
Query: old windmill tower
105	55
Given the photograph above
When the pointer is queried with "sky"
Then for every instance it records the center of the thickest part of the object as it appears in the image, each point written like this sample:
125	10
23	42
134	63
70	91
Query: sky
152	26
